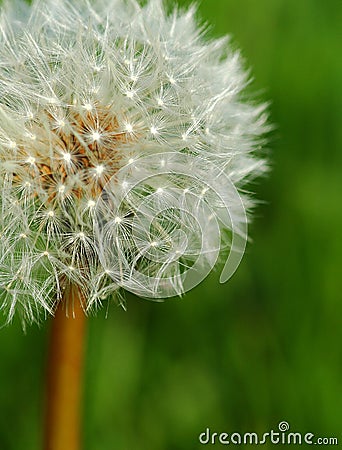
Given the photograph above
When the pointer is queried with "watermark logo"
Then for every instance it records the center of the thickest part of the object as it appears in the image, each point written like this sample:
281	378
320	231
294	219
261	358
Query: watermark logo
284	426
282	436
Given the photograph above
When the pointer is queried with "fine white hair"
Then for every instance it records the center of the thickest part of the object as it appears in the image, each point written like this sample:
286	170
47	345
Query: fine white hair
125	142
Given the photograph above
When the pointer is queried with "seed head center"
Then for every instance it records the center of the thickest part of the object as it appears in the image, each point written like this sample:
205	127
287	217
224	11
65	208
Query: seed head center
63	160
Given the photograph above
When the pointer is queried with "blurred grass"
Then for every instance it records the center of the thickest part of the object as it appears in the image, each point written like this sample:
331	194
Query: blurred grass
266	346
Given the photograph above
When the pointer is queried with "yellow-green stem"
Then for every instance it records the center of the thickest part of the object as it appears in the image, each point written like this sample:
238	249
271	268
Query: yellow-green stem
64	374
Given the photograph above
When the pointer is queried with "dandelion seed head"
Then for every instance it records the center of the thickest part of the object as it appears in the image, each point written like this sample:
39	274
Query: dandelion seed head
102	86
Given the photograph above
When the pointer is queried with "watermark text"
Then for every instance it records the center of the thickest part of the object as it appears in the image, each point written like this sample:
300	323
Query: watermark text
280	436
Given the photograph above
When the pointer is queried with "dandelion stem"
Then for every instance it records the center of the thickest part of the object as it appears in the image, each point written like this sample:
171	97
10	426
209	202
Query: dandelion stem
64	374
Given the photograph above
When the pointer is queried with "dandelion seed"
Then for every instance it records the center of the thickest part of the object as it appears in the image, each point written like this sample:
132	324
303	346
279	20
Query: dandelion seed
52	101
67	157
31	160
60	123
129	128
99	170
96	136
130	94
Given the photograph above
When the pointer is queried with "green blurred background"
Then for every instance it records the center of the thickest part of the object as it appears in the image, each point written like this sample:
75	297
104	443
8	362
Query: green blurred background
266	346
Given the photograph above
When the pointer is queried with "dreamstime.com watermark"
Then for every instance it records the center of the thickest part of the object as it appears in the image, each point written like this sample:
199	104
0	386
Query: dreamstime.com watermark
281	436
